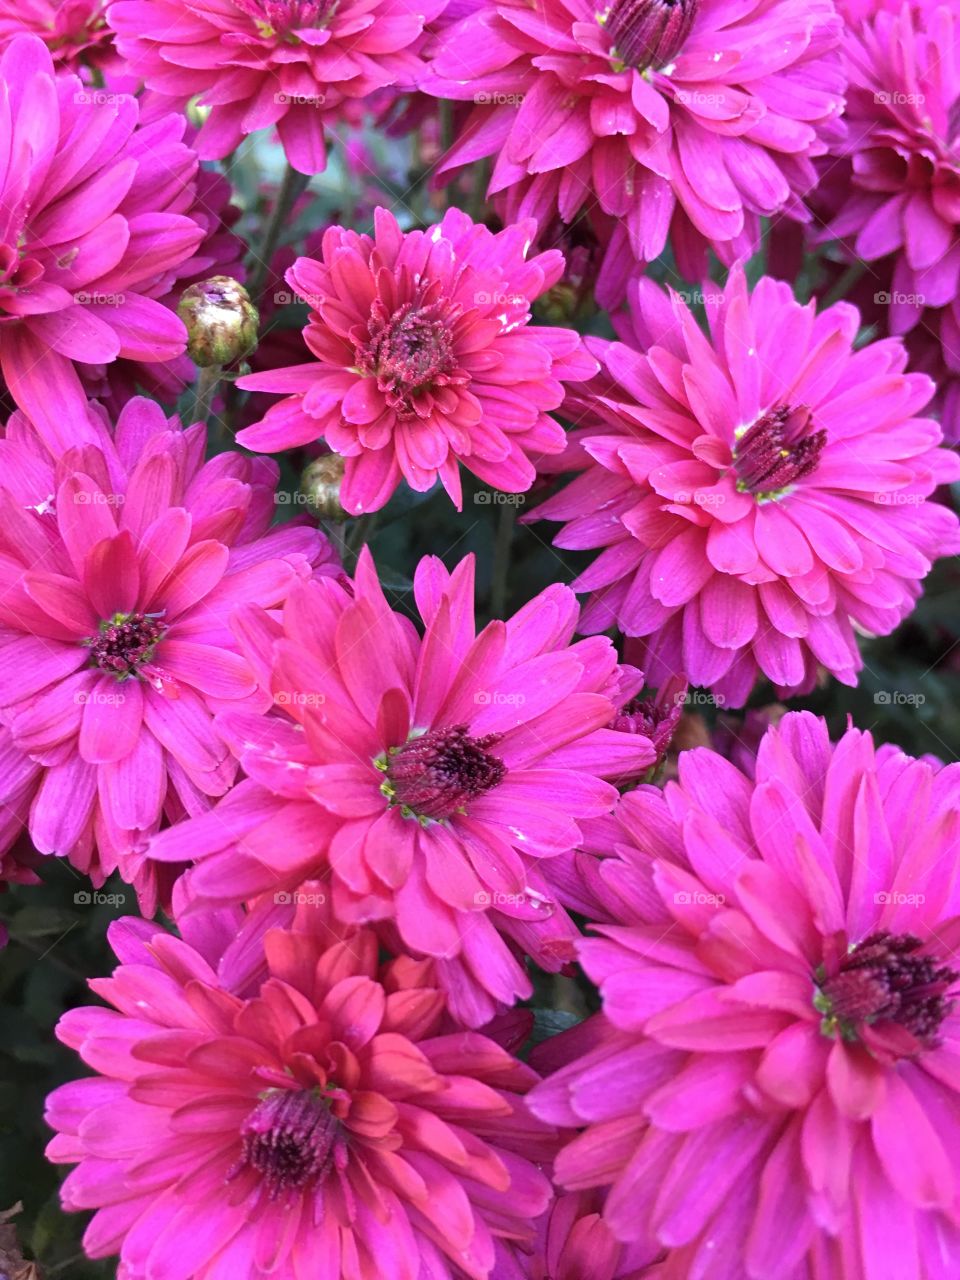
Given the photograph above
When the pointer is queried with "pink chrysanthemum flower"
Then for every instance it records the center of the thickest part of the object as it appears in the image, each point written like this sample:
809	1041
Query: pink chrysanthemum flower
75	31
95	225
309	1116
421	774
424	357
891	194
689	119
121	563
296	64
759	493
771	1090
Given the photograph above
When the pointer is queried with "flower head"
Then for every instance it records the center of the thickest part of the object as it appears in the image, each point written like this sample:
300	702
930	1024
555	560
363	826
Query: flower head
420	775
122	561
687	119
97	223
75	31
424	357
295	64
780	1027
288	1102
764	489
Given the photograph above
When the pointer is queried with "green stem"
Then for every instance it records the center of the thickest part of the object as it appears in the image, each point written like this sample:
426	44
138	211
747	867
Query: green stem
501	558
207	385
291	189
844	284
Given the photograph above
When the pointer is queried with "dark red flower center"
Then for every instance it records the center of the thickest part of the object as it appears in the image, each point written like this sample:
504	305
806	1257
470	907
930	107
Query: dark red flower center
886	977
125	642
649	33
777	450
290	1138
408	351
432	776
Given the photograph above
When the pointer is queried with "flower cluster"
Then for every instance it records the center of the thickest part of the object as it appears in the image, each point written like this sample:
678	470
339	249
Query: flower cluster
472	933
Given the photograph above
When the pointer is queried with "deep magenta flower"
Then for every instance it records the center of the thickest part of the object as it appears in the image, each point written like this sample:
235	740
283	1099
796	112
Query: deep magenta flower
422	775
771	1089
758	493
290	1105
424	357
120	563
687	120
75	31
296	64
95	225
892	190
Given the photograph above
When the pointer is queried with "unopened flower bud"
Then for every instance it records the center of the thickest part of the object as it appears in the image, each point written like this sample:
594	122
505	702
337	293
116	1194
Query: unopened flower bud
649	33
222	323
320	487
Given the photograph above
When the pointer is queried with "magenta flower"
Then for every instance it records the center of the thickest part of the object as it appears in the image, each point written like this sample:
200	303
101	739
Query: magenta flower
893	191
120	565
421	775
296	64
75	31
424	357
757	493
772	1088
291	1106
686	120
95	224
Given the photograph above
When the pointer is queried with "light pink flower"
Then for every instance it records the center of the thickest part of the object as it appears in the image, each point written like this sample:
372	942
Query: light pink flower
75	31
296	64
283	1102
758	493
421	775
771	1089
120	564
686	120
425	357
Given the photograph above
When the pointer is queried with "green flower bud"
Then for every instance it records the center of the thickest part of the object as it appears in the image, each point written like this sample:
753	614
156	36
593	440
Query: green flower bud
222	323
320	487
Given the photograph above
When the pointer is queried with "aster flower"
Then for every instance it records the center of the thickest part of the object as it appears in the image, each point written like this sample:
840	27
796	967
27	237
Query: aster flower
94	227
771	1089
121	561
296	64
757	493
892	194
686	120
75	31
424	357
289	1105
421	774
